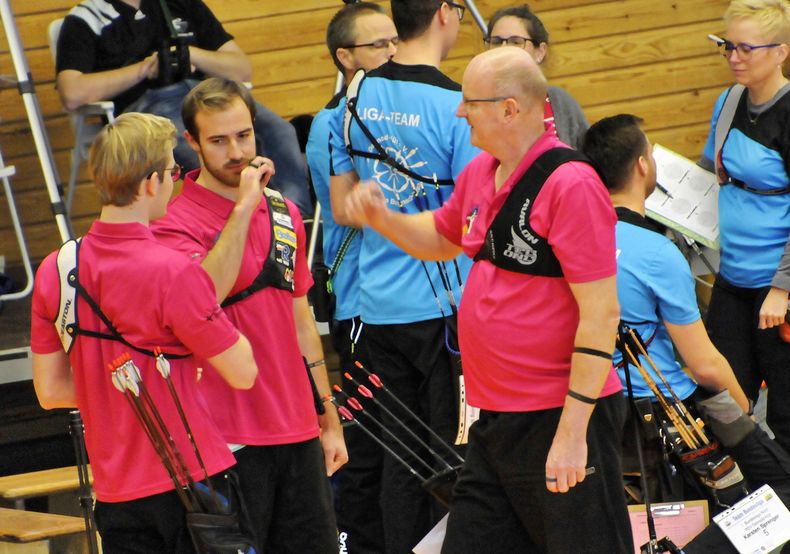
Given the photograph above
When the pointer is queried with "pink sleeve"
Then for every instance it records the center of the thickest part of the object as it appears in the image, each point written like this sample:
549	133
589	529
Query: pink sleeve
168	232
581	228
191	312
44	338
449	219
303	278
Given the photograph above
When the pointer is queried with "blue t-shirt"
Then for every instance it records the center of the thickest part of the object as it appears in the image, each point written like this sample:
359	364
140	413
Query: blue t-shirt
753	228
345	281
410	110
654	284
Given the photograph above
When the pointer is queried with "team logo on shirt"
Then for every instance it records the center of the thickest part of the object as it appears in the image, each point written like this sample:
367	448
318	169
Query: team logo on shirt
283	254
519	249
402	188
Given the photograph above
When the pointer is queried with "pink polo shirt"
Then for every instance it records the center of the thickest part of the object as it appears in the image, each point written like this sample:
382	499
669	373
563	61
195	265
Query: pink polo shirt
517	331
154	297
279	408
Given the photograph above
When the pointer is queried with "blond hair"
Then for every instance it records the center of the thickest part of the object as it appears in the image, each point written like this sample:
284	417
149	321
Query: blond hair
127	151
772	16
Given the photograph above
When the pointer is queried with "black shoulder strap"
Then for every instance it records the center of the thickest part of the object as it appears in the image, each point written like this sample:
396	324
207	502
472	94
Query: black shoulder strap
510	242
352	95
70	289
278	269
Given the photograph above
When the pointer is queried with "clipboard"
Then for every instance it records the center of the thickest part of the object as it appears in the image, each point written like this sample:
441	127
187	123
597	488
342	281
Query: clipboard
691	206
680	521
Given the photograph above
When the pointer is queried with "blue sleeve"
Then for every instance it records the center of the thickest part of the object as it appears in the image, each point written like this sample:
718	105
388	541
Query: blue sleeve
317	152
672	284
710	145
339	160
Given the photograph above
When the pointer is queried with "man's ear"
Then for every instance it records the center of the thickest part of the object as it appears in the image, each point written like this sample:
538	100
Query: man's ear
511	108
443	13
345	57
540	53
192	141
149	186
642	166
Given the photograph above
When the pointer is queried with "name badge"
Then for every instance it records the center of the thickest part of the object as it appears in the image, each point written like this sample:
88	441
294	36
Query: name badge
758	523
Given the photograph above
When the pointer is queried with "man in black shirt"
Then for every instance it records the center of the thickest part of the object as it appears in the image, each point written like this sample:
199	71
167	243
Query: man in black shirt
109	50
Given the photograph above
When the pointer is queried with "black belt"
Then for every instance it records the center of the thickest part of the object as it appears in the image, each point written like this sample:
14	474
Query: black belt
763	192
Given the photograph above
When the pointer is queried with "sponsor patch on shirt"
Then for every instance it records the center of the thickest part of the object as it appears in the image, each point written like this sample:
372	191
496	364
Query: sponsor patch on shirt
282	219
281	234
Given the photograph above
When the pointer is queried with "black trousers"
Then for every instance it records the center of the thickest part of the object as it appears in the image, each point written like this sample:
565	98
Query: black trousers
501	505
412	361
754	354
152	524
358	483
288	500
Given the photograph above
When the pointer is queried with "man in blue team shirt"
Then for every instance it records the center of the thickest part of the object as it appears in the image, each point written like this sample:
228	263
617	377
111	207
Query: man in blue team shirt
359	36
408	106
654	283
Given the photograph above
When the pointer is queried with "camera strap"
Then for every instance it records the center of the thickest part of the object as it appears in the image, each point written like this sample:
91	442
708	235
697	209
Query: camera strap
168	16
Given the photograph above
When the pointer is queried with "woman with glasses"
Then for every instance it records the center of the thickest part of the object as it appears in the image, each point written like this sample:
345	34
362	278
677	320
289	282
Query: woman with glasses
750	295
520	27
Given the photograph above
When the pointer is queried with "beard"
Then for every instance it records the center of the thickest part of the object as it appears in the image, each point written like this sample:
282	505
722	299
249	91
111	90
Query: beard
229	173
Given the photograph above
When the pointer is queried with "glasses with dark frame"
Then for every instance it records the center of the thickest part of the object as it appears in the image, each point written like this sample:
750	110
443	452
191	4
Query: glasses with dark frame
378	44
461	9
745	50
465	100
515	40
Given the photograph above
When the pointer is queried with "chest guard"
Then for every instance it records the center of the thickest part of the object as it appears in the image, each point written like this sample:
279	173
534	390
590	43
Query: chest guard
278	269
510	242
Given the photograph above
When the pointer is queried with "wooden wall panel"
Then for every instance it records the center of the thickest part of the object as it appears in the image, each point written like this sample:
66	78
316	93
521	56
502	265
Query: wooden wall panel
646	57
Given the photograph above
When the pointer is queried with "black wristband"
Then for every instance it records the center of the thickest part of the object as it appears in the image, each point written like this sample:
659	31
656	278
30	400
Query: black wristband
581	398
593	352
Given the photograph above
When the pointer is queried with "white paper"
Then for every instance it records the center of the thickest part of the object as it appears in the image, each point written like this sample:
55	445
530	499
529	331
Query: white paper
432	543
693	206
758	523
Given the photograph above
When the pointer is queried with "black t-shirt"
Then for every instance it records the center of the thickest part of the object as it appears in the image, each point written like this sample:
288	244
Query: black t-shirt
100	35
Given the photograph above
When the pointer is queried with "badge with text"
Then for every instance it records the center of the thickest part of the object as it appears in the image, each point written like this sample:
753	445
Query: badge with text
758	523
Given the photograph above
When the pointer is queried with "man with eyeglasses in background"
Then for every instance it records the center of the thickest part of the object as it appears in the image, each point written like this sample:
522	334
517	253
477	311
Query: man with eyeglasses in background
408	107
359	36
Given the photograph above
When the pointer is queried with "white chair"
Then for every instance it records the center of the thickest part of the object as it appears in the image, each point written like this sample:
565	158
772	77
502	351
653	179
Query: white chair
86	121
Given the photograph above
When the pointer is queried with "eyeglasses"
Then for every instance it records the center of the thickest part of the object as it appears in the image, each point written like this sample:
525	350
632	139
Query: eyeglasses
465	100
378	44
744	49
461	9
175	172
515	40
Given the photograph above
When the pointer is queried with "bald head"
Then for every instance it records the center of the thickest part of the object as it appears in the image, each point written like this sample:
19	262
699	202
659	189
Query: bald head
512	71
